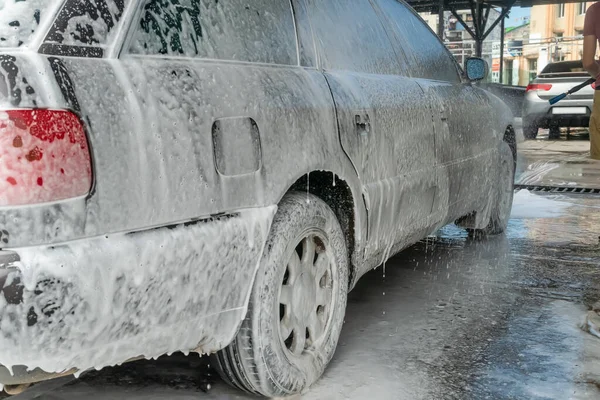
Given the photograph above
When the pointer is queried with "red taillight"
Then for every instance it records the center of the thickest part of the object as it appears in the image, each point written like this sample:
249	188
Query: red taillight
594	85
44	157
539	86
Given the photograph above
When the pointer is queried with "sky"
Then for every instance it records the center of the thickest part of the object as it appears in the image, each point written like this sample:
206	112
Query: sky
516	16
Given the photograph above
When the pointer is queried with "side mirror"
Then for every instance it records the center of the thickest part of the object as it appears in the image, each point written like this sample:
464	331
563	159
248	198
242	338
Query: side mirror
476	68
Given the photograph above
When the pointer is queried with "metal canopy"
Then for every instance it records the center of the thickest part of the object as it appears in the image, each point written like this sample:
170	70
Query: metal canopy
480	10
481	13
433	5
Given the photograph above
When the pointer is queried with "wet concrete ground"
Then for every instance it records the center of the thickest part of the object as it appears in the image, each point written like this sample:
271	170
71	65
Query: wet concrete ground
450	318
563	162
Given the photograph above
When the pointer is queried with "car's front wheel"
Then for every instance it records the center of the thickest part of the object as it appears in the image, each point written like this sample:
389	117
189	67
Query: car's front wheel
530	131
502	203
297	304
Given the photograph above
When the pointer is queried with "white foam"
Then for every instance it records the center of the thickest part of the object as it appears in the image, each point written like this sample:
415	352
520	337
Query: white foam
104	300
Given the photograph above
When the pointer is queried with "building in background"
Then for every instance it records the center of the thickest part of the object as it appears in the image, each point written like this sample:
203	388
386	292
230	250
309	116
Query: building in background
555	34
558	28
558	20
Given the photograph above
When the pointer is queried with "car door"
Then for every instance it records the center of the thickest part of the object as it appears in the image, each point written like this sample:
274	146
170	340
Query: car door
384	124
464	149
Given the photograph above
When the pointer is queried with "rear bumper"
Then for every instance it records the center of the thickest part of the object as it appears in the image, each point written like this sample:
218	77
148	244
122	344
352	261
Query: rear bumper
538	112
12	293
105	300
564	120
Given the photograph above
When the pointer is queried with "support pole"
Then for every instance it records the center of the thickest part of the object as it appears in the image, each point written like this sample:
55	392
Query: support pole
478	21
478	47
502	47
440	31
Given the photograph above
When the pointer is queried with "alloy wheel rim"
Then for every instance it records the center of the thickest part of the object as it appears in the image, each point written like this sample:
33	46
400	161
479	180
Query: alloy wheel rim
306	296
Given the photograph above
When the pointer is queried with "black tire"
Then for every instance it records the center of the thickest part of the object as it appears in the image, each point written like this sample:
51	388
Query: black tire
260	360
502	205
530	132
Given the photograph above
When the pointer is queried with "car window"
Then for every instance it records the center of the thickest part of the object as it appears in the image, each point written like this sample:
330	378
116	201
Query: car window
255	31
563	67
426	55
350	36
83	27
19	19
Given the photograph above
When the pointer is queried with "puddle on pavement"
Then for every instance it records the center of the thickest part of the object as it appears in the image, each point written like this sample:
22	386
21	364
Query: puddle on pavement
539	356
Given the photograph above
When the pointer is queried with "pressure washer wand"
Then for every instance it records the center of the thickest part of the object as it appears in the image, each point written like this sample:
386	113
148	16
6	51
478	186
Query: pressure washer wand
577	88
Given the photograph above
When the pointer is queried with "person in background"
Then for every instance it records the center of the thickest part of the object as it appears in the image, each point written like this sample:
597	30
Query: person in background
591	35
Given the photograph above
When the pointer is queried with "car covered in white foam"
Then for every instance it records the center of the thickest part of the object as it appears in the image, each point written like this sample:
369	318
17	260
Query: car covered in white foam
213	176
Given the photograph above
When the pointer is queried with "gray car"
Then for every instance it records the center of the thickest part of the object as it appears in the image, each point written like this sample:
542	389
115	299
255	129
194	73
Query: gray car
573	111
214	176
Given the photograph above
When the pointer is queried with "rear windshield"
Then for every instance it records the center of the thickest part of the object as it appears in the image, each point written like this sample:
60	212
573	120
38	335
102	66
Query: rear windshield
564	68
19	19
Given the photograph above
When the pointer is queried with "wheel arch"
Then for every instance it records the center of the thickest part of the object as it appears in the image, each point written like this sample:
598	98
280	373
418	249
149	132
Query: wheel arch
510	138
471	221
336	192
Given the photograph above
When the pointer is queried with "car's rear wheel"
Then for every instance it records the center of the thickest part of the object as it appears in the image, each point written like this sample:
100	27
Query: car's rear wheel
502	204
297	304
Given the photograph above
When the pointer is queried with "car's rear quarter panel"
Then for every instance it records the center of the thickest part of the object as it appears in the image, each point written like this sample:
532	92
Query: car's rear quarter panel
128	271
150	138
150	129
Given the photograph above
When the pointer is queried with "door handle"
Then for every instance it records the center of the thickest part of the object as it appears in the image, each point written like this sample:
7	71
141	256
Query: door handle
362	121
178	73
443	115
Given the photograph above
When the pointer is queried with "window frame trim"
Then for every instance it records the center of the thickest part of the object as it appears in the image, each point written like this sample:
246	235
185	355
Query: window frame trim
296	35
37	39
313	42
127	37
78	51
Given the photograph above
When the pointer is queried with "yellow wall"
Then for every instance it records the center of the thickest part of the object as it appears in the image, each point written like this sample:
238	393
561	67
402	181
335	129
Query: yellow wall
560	25
545	21
540	22
545	24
